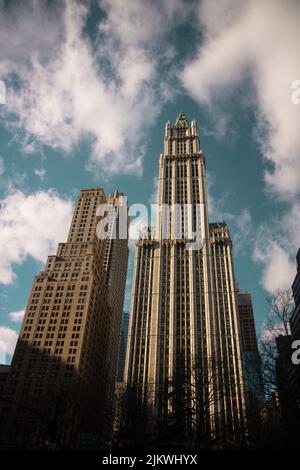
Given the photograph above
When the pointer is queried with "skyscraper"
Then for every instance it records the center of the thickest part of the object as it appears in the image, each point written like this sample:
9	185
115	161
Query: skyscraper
184	315
59	381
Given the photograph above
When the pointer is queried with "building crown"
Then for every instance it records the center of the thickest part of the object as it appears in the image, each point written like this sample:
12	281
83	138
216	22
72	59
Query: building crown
181	121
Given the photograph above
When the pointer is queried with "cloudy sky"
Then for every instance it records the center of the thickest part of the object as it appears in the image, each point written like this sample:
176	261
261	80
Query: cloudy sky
89	87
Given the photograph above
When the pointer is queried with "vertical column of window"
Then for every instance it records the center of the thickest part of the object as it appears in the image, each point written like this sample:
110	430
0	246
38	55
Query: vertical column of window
180	196
226	297
221	294
166	188
218	298
137	313
231	288
234	366
166	340
170	189
215	292
168	287
194	196
202	302
187	312
75	221
143	313
200	307
181	303
226	342
231	351
197	186
163	372
185	196
181	289
147	319
177	309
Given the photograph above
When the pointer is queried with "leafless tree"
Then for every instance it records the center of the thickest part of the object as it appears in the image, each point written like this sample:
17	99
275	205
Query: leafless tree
280	308
184	414
279	400
133	414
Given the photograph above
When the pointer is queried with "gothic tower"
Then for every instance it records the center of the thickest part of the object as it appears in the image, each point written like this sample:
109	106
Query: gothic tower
184	331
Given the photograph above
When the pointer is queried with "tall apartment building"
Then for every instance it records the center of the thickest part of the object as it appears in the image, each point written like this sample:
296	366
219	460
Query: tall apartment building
184	313
56	389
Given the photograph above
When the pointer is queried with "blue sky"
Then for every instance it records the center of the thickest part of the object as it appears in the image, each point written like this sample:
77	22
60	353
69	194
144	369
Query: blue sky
89	87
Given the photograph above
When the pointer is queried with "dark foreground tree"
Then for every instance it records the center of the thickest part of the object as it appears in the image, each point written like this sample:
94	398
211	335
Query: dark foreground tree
184	413
280	415
133	417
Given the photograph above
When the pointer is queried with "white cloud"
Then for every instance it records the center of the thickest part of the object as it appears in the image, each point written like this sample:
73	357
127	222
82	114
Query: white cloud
128	22
8	340
256	43
30	225
276	246
139	219
17	316
260	40
216	206
108	92
278	271
243	230
40	172
28	28
2	167
240	224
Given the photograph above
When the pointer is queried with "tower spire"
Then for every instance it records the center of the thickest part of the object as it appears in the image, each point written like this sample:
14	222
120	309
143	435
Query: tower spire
181	120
